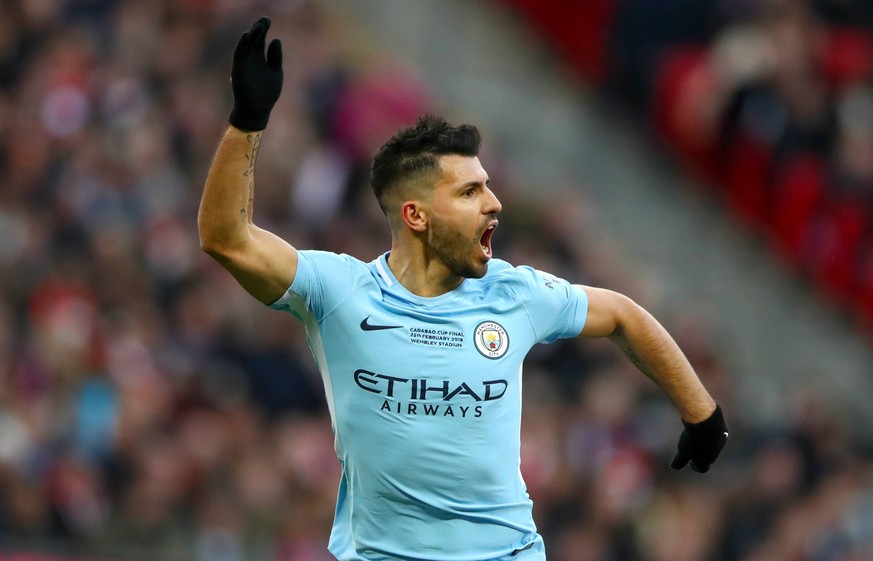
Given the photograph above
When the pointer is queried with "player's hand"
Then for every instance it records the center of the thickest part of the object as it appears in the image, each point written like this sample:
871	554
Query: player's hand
701	443
256	79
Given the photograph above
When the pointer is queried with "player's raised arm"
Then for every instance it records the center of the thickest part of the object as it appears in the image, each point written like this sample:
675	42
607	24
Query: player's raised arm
654	352
263	263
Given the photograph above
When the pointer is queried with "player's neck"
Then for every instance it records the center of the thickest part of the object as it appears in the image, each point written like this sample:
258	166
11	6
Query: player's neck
421	273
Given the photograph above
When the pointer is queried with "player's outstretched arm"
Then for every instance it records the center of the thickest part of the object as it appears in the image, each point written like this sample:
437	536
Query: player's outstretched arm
654	352
263	263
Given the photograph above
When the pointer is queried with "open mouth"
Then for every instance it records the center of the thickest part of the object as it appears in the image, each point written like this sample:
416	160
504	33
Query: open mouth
485	240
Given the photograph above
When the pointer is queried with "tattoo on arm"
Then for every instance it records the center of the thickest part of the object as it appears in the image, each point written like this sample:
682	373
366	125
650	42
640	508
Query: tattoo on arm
638	362
255	141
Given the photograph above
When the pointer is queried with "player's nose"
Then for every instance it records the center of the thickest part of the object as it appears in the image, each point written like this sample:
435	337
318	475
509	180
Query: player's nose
492	205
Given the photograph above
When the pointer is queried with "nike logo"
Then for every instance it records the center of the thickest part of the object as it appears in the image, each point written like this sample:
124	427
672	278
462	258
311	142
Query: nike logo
367	326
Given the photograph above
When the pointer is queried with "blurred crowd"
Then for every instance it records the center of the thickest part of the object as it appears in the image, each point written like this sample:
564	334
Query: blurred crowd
150	409
768	101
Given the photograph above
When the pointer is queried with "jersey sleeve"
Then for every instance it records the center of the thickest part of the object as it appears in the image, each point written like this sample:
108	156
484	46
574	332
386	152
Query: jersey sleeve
323	280
557	309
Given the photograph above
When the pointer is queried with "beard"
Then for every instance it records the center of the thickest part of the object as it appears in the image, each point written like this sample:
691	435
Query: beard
454	250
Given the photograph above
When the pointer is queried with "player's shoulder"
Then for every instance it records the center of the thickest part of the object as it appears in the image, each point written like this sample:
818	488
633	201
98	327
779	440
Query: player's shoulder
513	278
330	264
321	256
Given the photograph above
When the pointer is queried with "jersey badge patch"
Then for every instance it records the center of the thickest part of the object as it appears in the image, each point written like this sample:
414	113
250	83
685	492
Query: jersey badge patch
491	339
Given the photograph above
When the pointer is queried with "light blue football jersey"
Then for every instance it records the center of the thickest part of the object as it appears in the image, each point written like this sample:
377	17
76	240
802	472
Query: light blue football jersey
425	400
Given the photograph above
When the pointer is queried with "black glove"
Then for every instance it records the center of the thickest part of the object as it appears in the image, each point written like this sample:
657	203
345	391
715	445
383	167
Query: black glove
256	81
701	443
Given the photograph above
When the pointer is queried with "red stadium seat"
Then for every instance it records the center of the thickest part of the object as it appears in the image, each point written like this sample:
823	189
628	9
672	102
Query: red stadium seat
685	84
797	195
848	56
847	221
746	180
579	30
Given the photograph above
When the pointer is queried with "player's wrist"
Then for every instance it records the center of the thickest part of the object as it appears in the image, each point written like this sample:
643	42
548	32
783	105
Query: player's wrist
714	424
247	120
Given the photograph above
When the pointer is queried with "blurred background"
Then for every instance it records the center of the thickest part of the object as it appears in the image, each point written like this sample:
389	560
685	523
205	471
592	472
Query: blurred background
713	159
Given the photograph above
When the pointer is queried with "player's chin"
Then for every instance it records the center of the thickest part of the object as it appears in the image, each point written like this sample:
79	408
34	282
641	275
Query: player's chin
478	267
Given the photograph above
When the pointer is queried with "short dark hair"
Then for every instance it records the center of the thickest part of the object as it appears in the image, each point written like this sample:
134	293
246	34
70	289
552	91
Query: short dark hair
415	151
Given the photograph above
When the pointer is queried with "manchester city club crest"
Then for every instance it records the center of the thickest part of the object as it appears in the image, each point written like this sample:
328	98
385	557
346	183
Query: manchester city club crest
491	339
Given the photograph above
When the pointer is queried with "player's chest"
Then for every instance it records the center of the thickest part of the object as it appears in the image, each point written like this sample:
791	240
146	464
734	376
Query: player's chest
478	333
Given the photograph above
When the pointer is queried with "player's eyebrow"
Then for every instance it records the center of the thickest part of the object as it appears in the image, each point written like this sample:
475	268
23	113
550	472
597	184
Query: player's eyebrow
475	183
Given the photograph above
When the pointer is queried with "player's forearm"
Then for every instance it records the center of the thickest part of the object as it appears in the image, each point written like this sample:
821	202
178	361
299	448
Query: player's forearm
225	215
648	345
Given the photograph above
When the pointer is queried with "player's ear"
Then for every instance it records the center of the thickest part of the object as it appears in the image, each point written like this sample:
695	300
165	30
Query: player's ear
414	215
